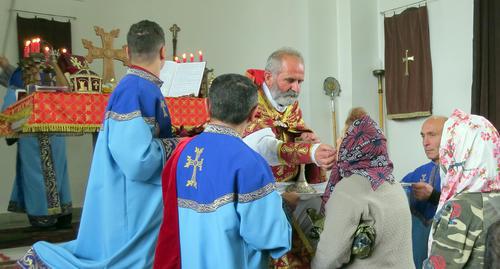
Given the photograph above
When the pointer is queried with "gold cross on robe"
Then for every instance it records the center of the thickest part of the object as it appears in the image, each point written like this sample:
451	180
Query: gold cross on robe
196	163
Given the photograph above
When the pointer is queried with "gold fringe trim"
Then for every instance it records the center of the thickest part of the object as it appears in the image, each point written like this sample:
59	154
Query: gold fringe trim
24	113
60	128
401	116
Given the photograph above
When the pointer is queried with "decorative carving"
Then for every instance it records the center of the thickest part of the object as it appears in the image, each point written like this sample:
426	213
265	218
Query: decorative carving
107	53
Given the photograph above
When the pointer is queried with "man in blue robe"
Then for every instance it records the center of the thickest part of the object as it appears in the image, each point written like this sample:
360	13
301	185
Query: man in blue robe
123	207
222	209
41	185
425	188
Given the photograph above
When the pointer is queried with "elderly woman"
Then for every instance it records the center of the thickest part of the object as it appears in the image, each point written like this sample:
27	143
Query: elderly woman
368	223
470	199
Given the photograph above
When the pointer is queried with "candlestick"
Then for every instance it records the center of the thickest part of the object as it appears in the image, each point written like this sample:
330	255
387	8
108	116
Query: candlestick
26	51
191	57
200	56
184	57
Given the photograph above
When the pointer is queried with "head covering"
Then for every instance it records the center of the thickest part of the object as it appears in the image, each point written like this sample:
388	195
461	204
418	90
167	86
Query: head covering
363	151
470	155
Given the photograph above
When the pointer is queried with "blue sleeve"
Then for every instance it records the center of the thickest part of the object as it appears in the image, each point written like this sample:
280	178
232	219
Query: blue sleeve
410	177
263	223
9	98
136	152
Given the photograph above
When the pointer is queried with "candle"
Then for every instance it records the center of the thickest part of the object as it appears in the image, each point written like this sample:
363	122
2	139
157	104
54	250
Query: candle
63	50
176	59
46	52
191	57
200	56
33	45
37	45
26	51
184	57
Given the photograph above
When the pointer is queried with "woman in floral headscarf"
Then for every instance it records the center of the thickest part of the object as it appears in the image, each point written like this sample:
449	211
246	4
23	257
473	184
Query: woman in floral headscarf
366	205
470	199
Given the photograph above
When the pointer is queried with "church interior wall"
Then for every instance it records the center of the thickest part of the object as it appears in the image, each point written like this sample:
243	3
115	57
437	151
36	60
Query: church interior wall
340	38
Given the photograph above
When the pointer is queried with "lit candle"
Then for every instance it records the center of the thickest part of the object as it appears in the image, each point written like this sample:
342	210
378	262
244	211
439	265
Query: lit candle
46	52
200	56
184	57
176	59
64	51
37	48
191	57
26	52
33	45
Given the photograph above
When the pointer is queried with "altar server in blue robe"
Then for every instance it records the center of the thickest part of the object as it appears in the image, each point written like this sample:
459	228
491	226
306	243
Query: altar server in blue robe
222	209
41	184
425	190
123	207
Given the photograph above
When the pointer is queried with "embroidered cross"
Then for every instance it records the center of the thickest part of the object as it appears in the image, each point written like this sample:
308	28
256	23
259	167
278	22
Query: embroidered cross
196	164
422	178
406	61
74	61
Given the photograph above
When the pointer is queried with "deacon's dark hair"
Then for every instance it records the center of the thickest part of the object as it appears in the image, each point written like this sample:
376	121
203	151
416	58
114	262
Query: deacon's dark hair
232	97
492	251
144	40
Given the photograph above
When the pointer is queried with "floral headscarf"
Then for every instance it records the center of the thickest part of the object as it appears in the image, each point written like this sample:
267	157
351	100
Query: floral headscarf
470	155
363	151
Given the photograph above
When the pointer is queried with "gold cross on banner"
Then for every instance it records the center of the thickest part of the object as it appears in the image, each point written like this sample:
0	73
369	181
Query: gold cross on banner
406	60
107	53
196	164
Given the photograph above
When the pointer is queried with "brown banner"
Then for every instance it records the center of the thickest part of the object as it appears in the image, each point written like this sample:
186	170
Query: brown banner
408	67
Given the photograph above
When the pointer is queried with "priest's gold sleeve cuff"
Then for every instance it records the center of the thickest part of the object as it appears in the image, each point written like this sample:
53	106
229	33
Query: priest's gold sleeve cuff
295	152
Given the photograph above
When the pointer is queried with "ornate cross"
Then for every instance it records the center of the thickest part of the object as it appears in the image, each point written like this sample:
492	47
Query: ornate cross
107	52
406	60
174	29
196	164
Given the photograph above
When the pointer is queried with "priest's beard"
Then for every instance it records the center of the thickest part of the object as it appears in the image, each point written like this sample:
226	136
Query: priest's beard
283	98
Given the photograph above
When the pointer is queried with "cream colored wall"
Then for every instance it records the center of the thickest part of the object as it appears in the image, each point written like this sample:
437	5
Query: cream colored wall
339	38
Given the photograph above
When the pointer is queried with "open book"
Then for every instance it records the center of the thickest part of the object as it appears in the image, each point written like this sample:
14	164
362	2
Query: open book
181	79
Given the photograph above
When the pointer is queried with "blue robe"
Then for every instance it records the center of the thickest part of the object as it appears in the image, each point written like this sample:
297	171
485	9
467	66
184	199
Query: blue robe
230	215
41	189
123	207
422	211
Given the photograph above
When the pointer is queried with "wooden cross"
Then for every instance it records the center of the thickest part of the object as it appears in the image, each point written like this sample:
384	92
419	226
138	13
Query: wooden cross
107	52
196	164
406	60
174	29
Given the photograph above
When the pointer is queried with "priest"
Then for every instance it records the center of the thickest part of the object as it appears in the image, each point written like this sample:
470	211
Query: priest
279	134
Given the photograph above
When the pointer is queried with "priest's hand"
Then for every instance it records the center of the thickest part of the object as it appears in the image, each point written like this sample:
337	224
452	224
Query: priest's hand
422	191
309	137
291	199
325	156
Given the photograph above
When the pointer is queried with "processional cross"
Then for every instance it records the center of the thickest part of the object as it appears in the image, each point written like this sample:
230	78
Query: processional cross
406	61
107	53
196	164
174	29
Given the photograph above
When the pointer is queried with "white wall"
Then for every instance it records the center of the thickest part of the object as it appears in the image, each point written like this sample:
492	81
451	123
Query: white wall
339	38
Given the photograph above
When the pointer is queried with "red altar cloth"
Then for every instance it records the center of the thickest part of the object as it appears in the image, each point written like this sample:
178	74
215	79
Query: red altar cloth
83	113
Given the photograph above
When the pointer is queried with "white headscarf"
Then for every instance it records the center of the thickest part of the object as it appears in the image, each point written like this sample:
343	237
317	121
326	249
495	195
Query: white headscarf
470	155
